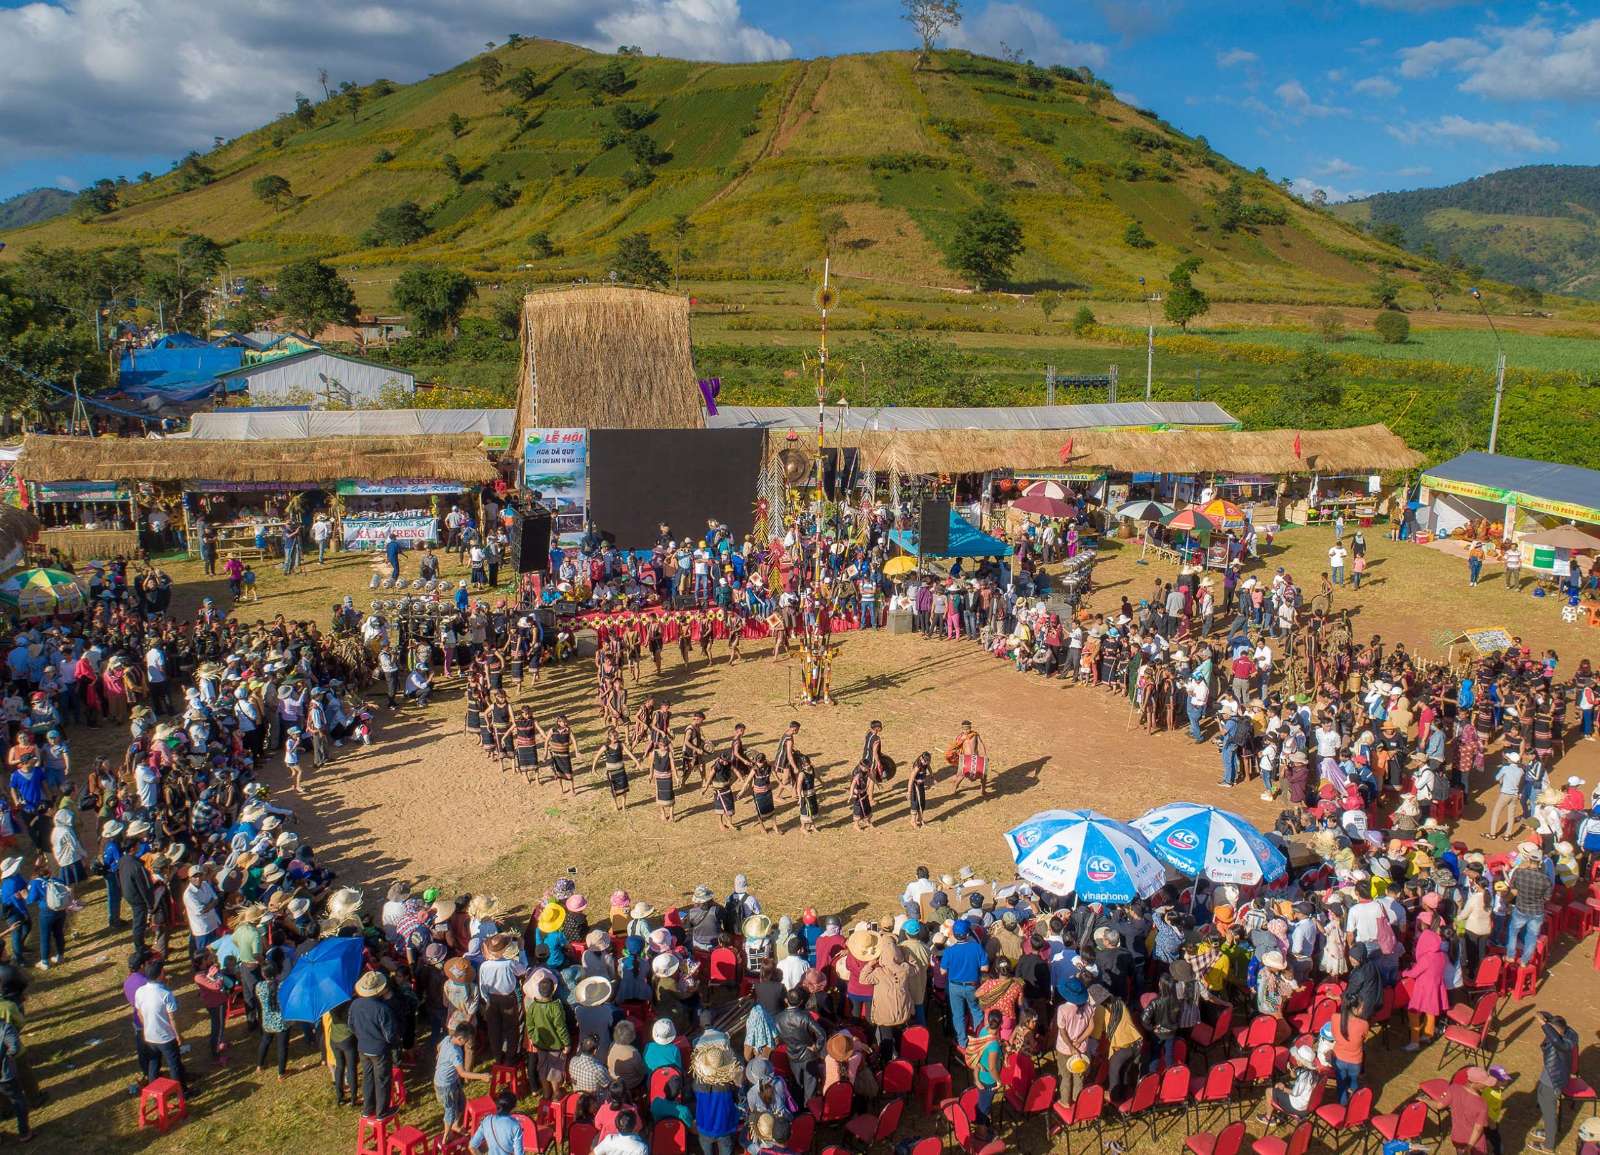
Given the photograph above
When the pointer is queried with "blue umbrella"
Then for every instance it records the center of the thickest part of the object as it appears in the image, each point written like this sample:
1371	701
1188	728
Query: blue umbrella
1195	840
1083	852
321	979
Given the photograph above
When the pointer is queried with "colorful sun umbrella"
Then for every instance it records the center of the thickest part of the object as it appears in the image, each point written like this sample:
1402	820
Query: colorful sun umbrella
1195	840
1047	499
38	593
1083	852
1224	513
1190	520
1145	511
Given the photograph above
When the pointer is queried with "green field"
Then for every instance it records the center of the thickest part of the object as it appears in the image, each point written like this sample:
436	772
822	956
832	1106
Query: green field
1447	346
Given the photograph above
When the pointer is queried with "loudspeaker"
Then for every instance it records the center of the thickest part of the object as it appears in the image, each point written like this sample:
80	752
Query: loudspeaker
838	472
530	543
933	527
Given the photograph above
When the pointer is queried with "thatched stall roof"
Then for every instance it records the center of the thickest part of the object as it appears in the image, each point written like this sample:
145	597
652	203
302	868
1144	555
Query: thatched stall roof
607	357
17	528
451	457
1368	448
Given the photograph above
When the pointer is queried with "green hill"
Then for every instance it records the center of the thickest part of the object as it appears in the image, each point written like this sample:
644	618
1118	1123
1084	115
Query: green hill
765	161
1538	225
33	206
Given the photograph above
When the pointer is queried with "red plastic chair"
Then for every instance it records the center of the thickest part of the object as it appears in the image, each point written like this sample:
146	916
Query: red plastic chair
897	1078
1141	1102
1471	1039
1087	1110
535	1135
667	1137
836	1103
869	1130
932	1145
1202	1036
1227	1142
1216	1089
1298	1143
723	967
1337	1120
914	1045
580	1138
1405	1124
802	1129
1016	1075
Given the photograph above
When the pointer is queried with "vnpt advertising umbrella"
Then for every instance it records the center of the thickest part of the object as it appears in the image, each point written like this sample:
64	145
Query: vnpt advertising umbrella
1083	852
1195	840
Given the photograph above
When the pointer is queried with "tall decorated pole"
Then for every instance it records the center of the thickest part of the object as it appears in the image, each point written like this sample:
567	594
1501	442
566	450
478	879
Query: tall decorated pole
825	299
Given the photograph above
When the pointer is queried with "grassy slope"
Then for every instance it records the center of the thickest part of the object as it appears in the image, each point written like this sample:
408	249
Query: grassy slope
757	154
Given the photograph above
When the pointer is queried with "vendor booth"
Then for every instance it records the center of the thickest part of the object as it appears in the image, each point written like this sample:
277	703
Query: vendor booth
246	517
411	510
86	519
1486	495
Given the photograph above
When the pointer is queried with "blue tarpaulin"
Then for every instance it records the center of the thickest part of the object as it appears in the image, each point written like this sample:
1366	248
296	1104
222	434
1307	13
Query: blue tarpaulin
178	372
966	540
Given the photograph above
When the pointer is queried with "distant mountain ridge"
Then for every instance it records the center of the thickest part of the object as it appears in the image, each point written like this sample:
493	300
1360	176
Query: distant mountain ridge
1537	225
33	206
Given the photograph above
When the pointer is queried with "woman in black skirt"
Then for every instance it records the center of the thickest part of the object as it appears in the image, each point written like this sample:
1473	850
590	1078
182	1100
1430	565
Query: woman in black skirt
720	783
615	756
808	794
500	725
661	774
474	708
494	669
562	747
917	786
653	642
517	648
525	743
861	796
759	788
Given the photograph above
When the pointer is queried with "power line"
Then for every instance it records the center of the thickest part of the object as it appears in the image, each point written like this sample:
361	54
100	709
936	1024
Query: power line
43	383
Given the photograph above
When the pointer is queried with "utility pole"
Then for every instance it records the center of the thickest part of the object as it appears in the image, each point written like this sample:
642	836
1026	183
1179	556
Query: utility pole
1150	340
1111	387
1499	370
1049	384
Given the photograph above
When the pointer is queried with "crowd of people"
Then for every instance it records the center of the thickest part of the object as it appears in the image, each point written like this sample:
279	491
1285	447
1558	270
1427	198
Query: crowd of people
735	1019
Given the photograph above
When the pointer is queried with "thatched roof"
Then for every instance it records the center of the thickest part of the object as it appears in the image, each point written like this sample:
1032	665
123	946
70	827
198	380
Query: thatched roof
451	457
605	357
17	528
1369	448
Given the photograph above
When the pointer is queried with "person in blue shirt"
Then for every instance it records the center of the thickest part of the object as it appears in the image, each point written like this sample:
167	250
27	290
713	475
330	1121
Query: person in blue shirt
461	598
964	964
391	550
110	857
14	905
499	1134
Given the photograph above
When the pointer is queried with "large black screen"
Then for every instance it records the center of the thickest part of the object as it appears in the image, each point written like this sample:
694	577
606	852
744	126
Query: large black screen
639	478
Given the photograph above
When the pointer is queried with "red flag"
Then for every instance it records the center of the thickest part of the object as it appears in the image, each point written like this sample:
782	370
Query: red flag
1066	451
1297	445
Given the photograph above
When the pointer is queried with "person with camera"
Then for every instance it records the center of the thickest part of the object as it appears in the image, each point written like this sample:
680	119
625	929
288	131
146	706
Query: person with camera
1558	1049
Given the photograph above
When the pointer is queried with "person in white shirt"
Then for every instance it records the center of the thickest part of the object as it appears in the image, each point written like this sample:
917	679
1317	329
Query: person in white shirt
625	1139
200	903
1336	556
157	1012
792	967
155	671
147	785
911	899
1263	660
321	534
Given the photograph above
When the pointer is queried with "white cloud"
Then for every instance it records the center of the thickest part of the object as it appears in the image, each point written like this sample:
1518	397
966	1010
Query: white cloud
1416	6
1414	170
1534	62
1297	100
1336	166
1427	59
1234	57
66	182
1305	188
1017	27
131	77
1134	19
1502	135
1379	86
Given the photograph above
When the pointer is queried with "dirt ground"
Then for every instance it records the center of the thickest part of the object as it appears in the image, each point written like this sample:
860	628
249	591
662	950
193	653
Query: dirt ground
424	804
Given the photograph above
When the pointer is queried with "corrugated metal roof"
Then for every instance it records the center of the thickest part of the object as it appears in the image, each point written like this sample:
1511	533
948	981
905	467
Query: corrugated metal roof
1123	414
269	425
1521	475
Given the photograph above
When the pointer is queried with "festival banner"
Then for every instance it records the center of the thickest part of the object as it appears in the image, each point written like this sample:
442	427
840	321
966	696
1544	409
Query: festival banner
251	486
373	533
555	462
395	487
80	491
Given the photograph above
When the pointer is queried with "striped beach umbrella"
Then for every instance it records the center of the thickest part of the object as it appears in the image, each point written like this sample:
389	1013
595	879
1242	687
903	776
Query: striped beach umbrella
38	593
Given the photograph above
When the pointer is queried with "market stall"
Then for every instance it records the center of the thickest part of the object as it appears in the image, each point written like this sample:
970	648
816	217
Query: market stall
1480	495
408	508
1357	497
245	518
85	519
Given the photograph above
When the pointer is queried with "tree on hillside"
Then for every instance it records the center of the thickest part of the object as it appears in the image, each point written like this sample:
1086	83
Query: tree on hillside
352	103
609	80
1227	205
1312	383
513	39
312	295
681	228
272	189
305	113
1135	237
451	167
400	224
986	245
433	298
322	79
193	172
542	247
1184	301
930	18
1385	292
831	225
1083	320
1392	328
1438	283
637	263
524	84
180	279
1330	325
489	72
1390	233
97	200
1048	301
502	195
457	124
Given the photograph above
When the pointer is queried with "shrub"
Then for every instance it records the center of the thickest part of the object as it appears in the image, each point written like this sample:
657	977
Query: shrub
1392	328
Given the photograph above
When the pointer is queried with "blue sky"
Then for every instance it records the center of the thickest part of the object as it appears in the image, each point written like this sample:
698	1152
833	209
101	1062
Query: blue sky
1353	96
